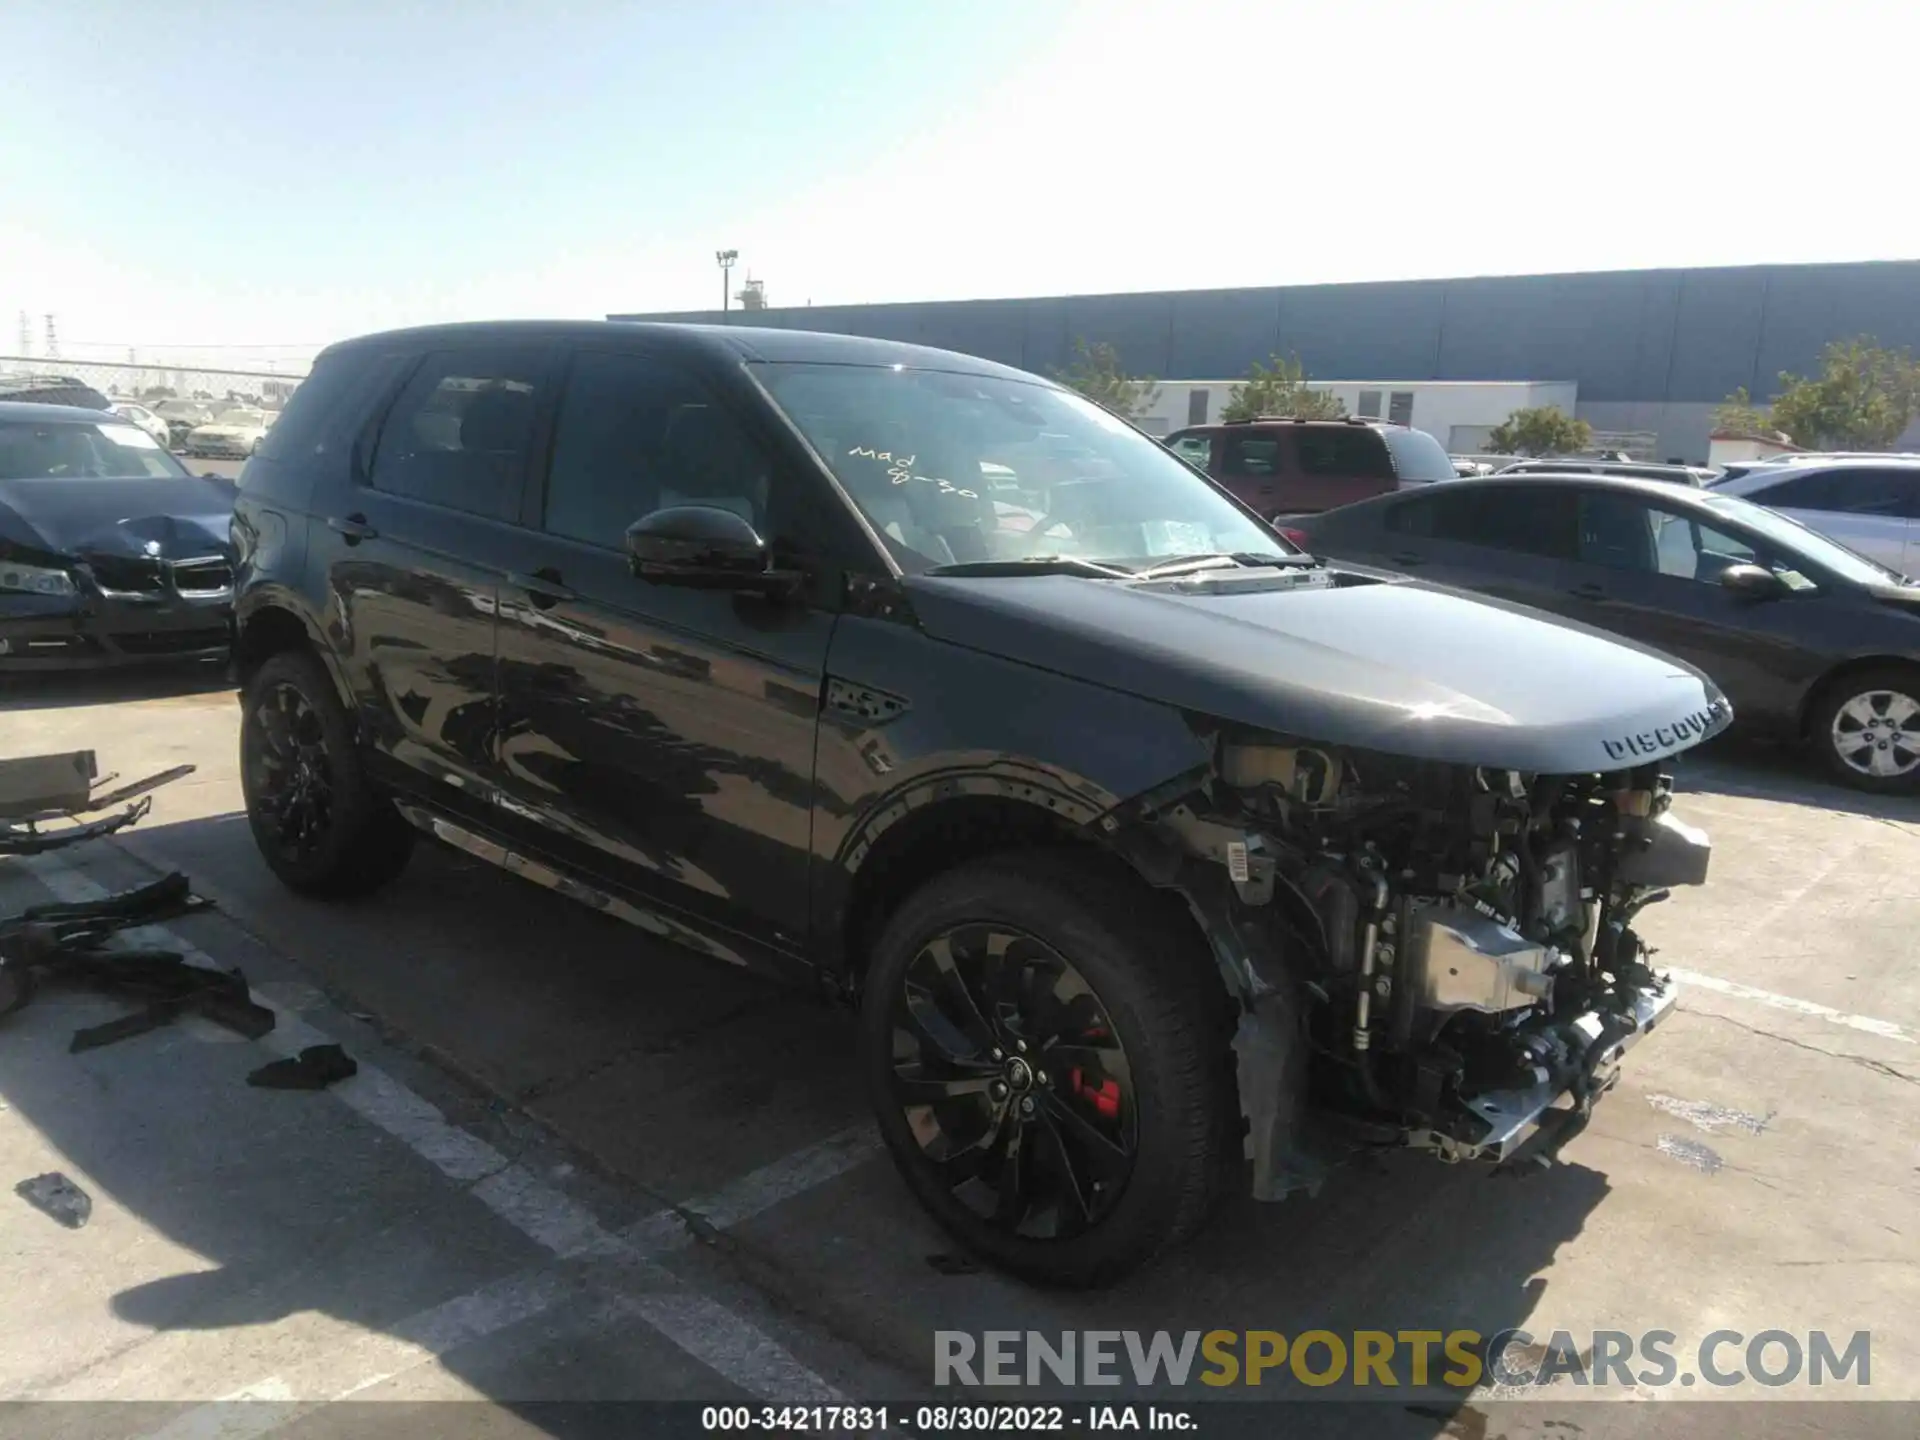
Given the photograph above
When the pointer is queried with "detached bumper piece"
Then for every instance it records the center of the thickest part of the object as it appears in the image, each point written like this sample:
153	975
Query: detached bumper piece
1580	1063
72	944
39	789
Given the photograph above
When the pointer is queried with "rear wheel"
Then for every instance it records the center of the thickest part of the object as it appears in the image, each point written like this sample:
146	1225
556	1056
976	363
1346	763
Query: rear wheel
318	823
1049	1060
1866	730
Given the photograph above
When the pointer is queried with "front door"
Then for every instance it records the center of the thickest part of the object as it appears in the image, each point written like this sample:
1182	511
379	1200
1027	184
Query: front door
415	548
657	736
1652	573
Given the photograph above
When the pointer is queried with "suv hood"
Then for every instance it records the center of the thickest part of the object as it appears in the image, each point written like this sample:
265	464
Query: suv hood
1402	667
183	516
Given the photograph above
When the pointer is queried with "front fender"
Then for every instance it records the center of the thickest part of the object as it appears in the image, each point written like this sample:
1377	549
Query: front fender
910	721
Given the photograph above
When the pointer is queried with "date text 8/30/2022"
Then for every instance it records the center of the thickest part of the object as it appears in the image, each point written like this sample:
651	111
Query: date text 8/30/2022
944	1419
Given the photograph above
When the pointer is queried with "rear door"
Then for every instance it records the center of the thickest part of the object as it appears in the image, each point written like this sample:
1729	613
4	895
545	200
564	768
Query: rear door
1871	509
414	549
659	736
1512	542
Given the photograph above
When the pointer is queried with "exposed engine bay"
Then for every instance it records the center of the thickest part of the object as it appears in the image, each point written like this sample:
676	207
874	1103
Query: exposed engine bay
1451	947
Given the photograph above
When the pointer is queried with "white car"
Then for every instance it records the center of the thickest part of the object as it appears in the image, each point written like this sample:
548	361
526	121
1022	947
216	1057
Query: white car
145	419
232	434
1868	503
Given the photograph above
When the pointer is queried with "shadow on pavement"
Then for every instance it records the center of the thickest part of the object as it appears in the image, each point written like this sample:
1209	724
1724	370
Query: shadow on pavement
55	690
1754	770
678	1074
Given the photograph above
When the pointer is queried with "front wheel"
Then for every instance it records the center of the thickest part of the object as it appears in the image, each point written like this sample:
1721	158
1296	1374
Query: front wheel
318	823
1048	1055
1866	731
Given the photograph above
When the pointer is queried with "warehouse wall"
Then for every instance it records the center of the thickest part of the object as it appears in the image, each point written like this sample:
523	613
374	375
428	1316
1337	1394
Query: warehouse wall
1648	337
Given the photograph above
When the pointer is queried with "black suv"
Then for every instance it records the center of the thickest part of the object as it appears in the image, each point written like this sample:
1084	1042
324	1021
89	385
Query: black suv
1147	845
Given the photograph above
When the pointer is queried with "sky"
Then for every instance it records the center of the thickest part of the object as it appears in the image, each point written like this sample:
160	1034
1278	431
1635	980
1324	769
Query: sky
250	181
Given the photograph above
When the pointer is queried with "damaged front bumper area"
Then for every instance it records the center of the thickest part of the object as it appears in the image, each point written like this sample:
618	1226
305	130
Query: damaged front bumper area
1424	954
1554	1105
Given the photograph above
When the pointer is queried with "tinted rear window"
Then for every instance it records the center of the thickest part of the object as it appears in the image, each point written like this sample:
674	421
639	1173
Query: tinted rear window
1417	456
1355	451
325	404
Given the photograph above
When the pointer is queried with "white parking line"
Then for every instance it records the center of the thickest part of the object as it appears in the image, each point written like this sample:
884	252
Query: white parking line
726	1343
1886	1029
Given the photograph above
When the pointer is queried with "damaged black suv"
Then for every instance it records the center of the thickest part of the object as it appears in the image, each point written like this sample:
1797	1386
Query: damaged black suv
1157	855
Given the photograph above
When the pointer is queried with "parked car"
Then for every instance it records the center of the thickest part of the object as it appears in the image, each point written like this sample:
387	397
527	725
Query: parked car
1870	504
1285	467
110	552
148	421
1693	475
1810	640
49	389
1111	820
234	433
183	417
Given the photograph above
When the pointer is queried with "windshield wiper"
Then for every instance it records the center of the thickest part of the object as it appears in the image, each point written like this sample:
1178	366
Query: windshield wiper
1187	564
1035	565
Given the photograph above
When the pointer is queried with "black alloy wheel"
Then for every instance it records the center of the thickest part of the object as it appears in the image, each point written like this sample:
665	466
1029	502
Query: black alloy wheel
1047	1044
287	764
320	826
1013	1082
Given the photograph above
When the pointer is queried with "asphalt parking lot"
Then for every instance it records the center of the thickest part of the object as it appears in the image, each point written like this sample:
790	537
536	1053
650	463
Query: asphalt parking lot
578	1164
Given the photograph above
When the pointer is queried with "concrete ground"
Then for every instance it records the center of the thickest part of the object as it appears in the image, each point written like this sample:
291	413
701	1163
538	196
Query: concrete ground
498	1206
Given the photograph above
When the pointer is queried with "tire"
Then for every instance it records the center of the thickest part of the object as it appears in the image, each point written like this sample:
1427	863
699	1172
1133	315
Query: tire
318	823
1882	708
1153	1026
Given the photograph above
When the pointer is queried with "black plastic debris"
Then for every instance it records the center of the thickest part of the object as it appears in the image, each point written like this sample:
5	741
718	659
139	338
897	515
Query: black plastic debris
69	943
950	1264
55	1195
314	1068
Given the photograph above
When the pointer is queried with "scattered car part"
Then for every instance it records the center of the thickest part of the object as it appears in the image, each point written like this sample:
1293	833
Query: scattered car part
314	1068
70	943
37	788
53	1194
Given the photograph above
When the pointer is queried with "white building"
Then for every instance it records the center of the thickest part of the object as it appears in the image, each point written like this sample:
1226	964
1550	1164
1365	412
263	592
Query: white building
1457	413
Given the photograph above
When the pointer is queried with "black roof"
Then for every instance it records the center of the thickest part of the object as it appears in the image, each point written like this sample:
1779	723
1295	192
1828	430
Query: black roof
58	414
737	343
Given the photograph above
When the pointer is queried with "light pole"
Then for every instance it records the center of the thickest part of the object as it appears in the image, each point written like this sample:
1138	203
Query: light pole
726	259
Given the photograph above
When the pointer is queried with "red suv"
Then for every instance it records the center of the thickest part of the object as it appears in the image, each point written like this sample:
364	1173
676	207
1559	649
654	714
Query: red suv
1284	467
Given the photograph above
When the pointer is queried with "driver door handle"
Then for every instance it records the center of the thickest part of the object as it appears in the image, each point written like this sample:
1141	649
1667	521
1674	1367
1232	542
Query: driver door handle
544	586
1588	591
354	527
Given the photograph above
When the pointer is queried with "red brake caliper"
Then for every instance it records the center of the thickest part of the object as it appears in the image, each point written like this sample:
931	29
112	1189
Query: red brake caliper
1104	1097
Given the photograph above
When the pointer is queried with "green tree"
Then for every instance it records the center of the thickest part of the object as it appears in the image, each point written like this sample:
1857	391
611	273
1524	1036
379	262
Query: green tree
1280	388
1539	430
1863	398
1096	373
1738	412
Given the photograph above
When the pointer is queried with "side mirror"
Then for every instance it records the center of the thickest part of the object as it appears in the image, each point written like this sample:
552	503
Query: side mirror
1751	582
706	548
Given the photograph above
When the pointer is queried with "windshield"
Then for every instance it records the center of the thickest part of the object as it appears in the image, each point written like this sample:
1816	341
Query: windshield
1417	456
958	469
1792	536
43	450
